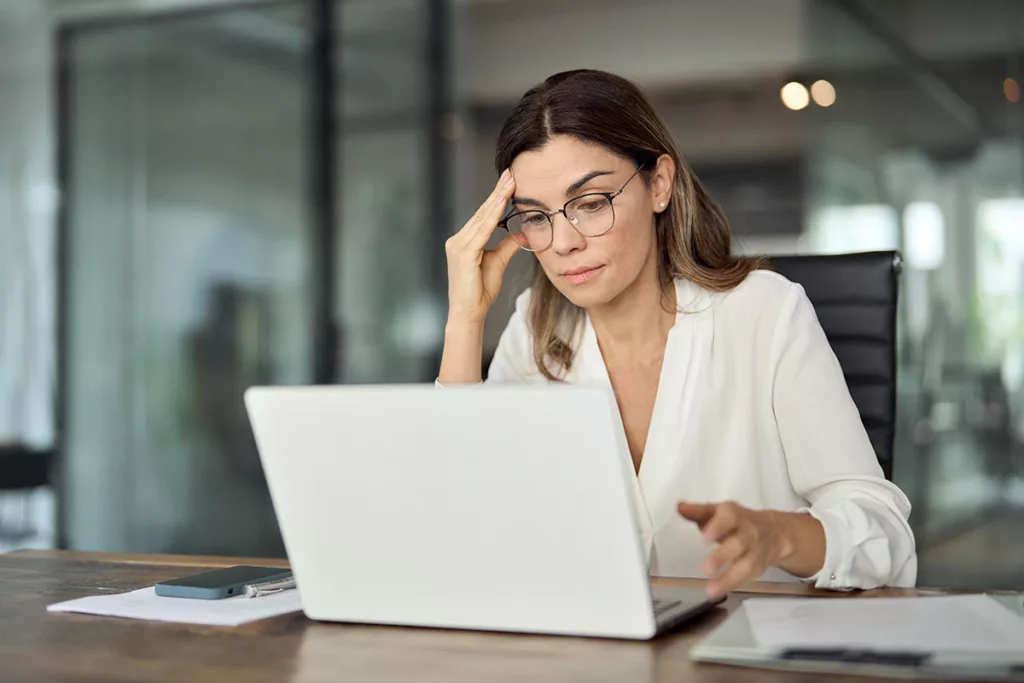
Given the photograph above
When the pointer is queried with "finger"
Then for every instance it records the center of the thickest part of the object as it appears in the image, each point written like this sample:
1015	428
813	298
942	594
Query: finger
490	213
723	523
728	552
502	254
498	197
697	512
503	180
508	248
496	262
471	225
742	570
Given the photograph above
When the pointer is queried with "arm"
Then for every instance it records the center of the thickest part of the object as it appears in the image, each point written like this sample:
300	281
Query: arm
801	543
750	541
854	534
512	362
867	540
463	353
475	274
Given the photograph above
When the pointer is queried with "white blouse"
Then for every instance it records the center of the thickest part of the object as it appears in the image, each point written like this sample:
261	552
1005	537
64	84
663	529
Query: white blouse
751	407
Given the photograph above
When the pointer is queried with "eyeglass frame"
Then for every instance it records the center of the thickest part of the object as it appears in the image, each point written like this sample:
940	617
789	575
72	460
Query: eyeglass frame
610	196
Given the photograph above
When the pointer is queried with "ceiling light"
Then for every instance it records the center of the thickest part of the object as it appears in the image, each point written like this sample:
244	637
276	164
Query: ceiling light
794	95
824	93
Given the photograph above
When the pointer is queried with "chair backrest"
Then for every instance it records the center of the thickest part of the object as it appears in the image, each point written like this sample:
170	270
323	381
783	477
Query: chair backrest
854	296
22	467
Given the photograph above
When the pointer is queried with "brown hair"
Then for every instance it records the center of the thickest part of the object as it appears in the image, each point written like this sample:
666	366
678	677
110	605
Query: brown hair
693	236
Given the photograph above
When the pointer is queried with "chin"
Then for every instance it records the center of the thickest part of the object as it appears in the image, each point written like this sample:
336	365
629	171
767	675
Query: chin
588	295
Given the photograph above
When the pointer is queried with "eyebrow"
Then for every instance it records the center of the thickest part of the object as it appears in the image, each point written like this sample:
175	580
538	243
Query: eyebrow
569	191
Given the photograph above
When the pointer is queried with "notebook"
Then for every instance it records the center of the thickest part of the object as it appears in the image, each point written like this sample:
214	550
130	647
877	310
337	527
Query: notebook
947	636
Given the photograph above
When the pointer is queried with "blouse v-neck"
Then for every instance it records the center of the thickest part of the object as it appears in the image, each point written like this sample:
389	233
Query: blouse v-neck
673	398
599	369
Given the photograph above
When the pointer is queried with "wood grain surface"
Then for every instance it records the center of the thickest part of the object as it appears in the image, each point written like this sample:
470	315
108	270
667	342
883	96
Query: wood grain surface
37	646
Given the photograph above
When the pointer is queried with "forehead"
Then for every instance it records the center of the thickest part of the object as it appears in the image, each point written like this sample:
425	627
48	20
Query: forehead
560	163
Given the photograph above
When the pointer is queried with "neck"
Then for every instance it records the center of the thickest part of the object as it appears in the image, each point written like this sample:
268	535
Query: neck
637	320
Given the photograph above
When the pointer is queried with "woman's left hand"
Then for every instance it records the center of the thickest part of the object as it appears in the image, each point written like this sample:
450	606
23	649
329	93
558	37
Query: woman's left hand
749	542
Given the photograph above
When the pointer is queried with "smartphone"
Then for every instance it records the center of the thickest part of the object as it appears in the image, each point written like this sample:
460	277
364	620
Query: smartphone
219	583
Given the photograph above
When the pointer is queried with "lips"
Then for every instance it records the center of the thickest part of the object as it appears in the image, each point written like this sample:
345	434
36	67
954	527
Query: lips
578	276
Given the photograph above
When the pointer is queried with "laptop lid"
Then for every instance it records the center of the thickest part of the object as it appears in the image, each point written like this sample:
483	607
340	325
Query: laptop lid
498	508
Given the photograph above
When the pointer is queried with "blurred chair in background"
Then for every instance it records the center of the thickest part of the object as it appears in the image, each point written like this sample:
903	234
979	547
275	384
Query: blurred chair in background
22	470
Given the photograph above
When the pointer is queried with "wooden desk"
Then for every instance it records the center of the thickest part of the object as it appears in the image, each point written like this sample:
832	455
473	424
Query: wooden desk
40	646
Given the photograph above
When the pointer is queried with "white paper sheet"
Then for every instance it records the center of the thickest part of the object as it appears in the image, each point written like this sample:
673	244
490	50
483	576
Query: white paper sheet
967	623
146	604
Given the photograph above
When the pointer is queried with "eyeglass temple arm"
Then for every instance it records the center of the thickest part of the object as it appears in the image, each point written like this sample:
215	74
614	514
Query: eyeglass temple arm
622	189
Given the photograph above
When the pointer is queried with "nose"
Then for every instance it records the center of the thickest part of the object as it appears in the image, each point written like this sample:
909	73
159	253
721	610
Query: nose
565	239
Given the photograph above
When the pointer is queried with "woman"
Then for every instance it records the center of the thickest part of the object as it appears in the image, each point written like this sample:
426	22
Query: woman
741	428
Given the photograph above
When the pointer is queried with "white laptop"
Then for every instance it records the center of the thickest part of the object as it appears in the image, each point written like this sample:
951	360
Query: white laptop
493	508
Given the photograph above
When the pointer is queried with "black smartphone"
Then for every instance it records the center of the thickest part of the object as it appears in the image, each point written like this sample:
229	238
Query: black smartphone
219	583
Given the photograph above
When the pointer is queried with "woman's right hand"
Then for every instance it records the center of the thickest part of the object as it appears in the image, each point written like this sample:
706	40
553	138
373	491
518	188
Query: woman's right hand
475	273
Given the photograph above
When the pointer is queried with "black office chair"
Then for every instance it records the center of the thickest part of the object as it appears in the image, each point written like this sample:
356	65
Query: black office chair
854	296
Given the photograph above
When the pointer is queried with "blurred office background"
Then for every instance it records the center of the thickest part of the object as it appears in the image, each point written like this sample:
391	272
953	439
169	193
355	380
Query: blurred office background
201	195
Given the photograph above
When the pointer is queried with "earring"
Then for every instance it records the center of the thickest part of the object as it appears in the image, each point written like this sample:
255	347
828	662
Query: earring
662	205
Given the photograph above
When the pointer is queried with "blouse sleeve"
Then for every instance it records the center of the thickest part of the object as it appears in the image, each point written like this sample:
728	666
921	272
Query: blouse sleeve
831	462
513	357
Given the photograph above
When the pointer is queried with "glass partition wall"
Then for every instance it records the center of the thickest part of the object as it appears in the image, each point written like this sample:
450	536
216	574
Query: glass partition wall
923	151
195	256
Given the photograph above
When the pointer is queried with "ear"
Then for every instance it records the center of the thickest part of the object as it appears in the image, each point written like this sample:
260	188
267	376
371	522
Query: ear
661	183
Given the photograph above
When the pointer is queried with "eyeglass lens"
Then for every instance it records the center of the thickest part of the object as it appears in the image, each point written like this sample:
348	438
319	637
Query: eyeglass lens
590	215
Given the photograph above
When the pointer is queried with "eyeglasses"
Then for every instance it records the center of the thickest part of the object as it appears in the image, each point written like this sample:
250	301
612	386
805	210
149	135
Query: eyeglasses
591	214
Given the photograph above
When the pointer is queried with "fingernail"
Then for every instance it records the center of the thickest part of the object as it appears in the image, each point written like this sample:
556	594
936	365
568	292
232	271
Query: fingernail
500	201
505	176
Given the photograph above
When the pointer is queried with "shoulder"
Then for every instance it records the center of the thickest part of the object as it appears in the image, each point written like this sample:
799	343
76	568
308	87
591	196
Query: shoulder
523	301
760	306
518	322
762	297
762	290
513	356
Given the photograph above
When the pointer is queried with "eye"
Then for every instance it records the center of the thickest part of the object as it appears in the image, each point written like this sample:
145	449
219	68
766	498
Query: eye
592	205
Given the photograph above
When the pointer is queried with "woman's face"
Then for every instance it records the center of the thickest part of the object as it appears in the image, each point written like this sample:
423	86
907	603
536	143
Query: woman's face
591	271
